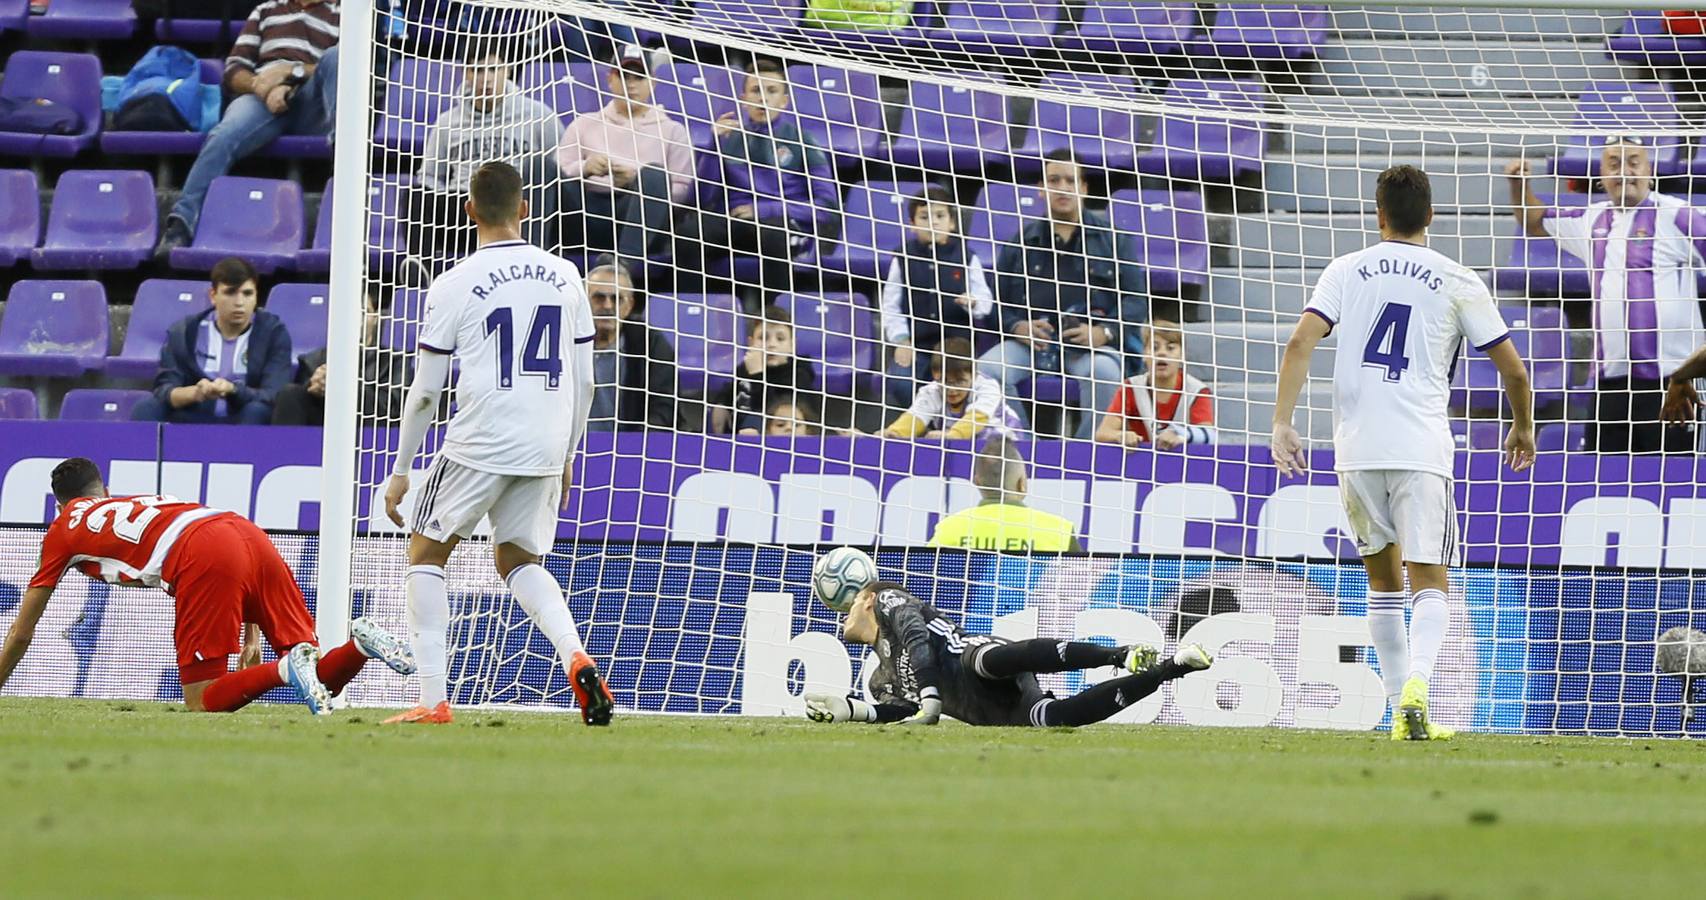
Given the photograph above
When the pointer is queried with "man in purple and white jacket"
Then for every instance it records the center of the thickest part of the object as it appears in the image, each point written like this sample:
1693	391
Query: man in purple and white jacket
1643	251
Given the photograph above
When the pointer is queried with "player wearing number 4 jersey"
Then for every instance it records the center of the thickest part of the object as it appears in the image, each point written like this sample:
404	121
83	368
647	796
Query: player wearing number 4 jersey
1402	312
515	316
221	571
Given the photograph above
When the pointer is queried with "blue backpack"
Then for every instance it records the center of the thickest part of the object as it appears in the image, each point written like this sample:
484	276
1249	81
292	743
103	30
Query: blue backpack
161	93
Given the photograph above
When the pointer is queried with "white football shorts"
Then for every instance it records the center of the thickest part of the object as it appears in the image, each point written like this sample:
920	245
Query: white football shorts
1415	510
454	498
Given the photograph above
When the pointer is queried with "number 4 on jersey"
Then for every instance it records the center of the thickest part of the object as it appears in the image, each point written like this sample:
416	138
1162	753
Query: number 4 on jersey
1386	339
541	354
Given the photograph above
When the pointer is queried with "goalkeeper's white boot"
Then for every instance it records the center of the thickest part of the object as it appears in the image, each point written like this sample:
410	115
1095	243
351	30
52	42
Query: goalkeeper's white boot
1194	657
301	666
377	643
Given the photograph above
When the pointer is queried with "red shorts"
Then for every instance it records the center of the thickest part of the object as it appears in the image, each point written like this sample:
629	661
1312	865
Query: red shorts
225	571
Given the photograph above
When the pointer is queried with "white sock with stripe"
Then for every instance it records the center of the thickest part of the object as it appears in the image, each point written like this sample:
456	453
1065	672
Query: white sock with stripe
539	593
429	620
1386	627
1429	623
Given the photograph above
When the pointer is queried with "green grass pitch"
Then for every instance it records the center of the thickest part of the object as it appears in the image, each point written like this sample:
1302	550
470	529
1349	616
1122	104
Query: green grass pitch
139	799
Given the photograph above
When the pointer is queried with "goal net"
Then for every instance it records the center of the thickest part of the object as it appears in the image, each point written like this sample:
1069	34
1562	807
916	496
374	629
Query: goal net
840	251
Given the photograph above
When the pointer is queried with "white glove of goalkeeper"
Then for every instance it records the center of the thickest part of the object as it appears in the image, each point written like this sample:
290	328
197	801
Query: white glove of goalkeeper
929	713
835	708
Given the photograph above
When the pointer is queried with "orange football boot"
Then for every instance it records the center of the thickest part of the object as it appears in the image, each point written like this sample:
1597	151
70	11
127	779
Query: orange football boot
420	715
593	697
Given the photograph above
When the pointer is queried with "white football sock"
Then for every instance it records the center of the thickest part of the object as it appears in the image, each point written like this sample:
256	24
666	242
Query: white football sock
538	592
1428	624
1386	626
429	619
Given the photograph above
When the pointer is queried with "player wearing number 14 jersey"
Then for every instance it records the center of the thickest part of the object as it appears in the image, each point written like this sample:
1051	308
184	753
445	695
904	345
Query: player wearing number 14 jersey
1403	312
221	571
518	319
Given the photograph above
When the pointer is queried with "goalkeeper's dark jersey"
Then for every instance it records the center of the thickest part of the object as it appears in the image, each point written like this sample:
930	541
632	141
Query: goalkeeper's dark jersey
917	647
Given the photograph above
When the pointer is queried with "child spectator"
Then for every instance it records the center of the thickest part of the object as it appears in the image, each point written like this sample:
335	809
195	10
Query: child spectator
935	290
768	371
1166	406
960	404
792	416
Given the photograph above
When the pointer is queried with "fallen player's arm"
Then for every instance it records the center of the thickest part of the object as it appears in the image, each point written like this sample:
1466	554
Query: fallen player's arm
907	621
833	708
23	629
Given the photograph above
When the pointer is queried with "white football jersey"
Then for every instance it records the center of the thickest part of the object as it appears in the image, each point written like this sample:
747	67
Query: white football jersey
1402	312
512	314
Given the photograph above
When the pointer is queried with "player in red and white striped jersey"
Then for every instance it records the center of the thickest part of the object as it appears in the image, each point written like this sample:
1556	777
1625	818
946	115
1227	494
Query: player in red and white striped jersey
222	571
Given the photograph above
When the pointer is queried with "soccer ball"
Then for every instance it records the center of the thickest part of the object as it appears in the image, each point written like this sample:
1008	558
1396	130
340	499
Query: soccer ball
840	575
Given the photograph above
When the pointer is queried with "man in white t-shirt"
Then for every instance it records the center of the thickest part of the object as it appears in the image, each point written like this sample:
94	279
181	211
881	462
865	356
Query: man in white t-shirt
1403	312
1643	251
518	320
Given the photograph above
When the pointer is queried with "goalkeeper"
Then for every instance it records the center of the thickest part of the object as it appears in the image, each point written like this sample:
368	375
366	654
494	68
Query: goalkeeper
927	667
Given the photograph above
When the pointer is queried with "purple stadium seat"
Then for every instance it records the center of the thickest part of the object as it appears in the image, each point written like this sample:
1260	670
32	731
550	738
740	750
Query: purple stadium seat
1252	31
418	91
198	31
958	128
759	17
997	219
1537	334
841	109
982	26
1174	249
1629	106
1207	148
1644	43
384	239
72	79
573	89
302	307
1133	27
14	14
259	219
85	20
1561	437
20	215
835	332
53	328
705	332
873	227
1100	136
105	219
163	143
17	403
1477	434
159	303
1538	268
100	405
698	95
1047	389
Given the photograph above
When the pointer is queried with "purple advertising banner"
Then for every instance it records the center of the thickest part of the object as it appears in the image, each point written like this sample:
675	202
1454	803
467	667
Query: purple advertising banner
1572	509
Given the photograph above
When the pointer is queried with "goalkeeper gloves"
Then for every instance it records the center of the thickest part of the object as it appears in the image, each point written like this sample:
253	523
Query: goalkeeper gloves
833	708
929	710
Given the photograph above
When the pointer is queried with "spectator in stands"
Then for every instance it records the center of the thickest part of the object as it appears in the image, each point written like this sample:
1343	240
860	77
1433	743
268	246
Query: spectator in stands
224	364
1071	296
633	366
283	74
1643	249
490	122
935	289
778	188
1166	405
793	415
768	371
960	404
625	169
1002	521
384	376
